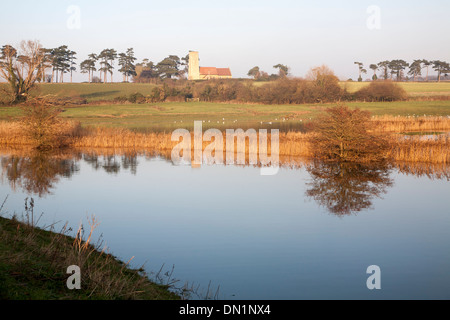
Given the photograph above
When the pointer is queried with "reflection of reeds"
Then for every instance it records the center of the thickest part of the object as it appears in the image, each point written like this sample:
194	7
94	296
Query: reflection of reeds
291	144
431	170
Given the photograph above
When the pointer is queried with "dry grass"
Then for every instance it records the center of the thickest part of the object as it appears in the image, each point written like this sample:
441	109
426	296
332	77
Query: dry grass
42	125
122	138
292	144
417	149
15	133
411	123
11	134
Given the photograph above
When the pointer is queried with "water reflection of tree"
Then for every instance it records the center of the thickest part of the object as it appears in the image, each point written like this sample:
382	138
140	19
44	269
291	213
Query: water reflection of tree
345	188
112	163
129	161
38	172
108	163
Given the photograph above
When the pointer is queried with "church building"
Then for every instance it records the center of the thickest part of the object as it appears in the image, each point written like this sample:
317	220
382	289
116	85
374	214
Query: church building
205	73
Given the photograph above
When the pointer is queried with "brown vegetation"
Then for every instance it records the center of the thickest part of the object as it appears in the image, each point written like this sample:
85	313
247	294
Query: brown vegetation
22	68
379	91
42	126
292	144
370	138
347	135
347	187
416	149
320	86
397	124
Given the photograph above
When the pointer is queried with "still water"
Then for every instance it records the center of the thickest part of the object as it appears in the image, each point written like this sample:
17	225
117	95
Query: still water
309	232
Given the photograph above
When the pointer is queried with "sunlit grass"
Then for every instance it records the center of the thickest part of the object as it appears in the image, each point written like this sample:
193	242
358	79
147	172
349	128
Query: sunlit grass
165	117
90	91
412	88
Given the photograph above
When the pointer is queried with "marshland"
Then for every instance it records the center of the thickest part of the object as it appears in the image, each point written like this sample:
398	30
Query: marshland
362	179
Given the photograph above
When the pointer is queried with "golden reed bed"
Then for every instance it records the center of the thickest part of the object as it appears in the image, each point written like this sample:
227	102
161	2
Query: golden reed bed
400	124
291	144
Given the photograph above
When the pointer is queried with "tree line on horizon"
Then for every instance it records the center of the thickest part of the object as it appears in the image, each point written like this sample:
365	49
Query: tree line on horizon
28	64
396	68
61	60
391	70
260	75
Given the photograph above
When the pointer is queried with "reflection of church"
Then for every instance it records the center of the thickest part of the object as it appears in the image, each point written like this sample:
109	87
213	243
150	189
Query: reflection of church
204	73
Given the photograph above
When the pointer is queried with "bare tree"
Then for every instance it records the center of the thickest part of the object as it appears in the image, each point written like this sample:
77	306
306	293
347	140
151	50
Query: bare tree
21	69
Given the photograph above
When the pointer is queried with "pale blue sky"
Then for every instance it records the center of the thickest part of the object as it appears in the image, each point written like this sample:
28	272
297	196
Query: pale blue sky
240	34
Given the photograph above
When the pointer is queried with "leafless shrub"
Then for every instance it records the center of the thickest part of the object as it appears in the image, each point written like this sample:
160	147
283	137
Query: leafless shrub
43	126
381	91
344	134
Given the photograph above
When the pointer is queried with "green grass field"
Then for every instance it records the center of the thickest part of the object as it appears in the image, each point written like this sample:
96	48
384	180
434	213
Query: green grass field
171	115
91	91
414	89
95	91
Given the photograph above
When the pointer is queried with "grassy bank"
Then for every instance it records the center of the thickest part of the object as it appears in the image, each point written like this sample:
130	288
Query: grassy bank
92	92
160	117
34	262
100	110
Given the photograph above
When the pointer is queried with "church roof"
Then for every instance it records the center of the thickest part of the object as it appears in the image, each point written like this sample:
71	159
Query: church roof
208	70
224	72
212	71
